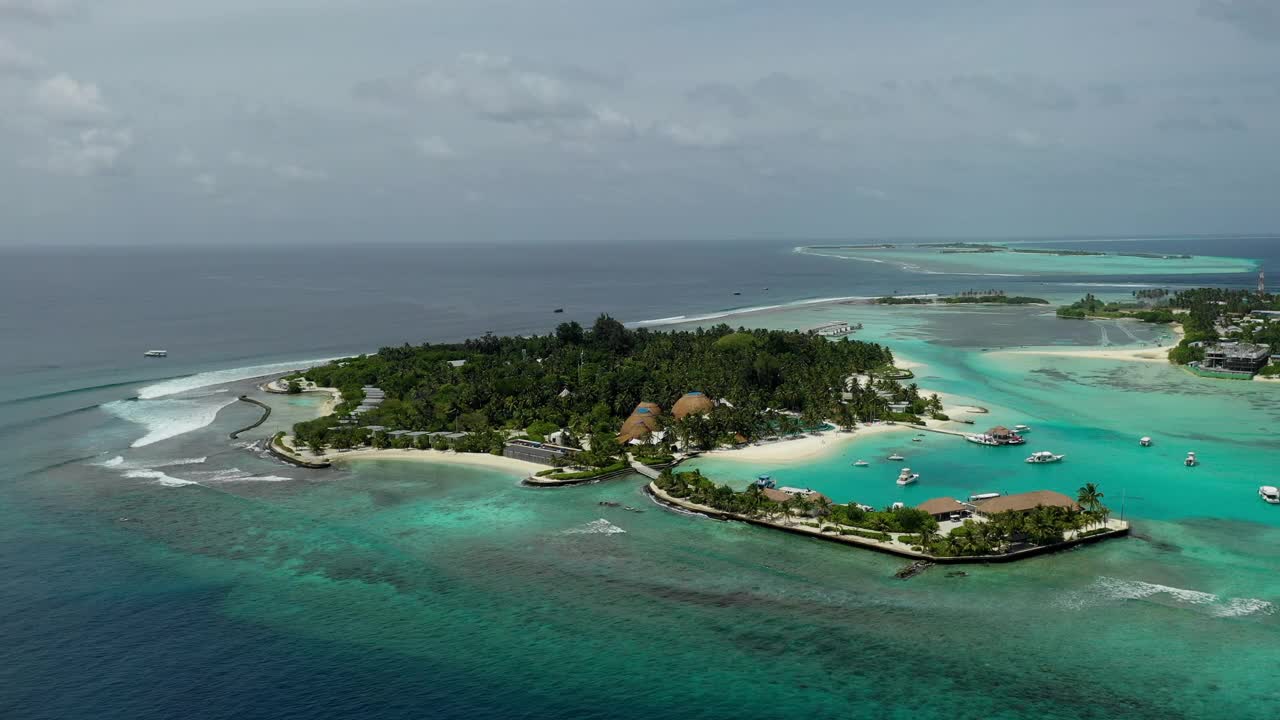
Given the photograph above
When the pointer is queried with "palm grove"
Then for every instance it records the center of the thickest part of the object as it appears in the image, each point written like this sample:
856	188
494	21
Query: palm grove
588	380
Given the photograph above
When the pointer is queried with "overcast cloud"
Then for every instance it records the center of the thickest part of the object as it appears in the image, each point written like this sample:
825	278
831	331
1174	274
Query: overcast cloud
456	120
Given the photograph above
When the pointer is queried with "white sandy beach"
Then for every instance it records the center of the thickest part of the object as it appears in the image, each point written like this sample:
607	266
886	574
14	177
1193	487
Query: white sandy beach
1129	354
495	462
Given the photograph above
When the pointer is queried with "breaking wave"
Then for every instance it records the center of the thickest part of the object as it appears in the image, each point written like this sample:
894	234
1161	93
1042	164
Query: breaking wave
160	478
596	527
215	377
1118	589
167	418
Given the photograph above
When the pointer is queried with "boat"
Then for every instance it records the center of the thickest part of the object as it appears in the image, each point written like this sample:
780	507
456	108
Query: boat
156	353
906	477
983	496
917	439
1044	456
861	463
981	439
558	310
1269	494
737	293
1021	428
1145	442
1191	460
764	481
896	456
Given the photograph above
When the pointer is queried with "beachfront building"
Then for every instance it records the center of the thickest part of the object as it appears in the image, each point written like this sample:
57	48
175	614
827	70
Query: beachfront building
1025	502
536	452
784	494
943	508
641	426
692	403
1244	359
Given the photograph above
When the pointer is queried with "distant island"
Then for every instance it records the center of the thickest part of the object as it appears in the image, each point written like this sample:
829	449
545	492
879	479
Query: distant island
970	297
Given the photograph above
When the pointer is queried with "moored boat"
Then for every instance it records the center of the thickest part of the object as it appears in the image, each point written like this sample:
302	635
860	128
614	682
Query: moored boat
156	353
1191	460
906	477
981	439
764	481
860	463
1269	494
1022	429
983	496
896	456
1044	456
1145	442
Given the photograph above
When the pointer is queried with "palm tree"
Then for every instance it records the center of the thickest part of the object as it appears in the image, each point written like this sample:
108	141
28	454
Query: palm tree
1089	498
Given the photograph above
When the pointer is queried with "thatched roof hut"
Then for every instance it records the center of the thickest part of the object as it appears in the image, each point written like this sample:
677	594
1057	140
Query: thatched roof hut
692	403
781	496
1022	502
641	423
1000	431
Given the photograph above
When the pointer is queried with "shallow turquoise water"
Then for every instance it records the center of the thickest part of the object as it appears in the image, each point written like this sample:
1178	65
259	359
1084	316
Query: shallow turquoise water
1010	264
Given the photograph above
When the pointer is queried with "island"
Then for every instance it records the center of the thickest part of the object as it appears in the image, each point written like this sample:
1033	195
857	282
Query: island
968	297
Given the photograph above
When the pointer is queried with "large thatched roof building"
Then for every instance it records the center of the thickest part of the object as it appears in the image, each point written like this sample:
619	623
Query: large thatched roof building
692	403
640	424
941	508
1022	502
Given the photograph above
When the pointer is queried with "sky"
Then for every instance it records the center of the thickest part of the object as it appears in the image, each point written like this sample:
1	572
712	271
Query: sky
189	121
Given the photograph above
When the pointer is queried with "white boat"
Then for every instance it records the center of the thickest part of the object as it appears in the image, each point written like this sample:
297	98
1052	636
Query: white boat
981	439
896	456
1044	456
861	463
983	496
906	477
917	439
1191	460
1269	494
1021	429
1145	442
156	353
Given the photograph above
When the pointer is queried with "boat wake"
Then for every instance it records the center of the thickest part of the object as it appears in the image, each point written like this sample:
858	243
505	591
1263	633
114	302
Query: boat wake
1110	589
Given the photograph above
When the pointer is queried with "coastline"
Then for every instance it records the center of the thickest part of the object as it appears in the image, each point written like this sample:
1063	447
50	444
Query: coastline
485	460
1128	354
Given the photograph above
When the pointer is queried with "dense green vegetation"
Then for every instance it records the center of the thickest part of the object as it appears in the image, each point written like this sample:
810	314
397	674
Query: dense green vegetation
995	299
1207	308
998	533
776	382
891	300
1046	251
1093	307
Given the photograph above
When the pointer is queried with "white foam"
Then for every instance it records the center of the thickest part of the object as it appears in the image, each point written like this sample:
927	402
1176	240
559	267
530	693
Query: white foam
215	377
596	527
159	477
116	461
167	418
1109	588
181	461
1240	607
237	475
721	314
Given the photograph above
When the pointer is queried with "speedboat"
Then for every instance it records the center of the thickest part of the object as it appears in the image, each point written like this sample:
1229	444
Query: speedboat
906	477
156	353
896	456
1269	494
1044	457
861	463
916	439
983	496
981	439
1145	442
1191	460
1022	429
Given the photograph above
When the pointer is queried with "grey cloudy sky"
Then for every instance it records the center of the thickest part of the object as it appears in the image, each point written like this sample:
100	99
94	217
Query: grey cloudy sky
448	120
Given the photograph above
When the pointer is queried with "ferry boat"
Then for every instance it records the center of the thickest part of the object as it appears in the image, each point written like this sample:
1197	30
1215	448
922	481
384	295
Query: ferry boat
1044	456
981	439
1191	460
156	353
1269	494
1145	442
861	463
906	477
896	456
983	496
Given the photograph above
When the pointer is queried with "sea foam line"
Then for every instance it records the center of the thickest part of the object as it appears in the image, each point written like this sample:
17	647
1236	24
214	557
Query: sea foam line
215	377
721	314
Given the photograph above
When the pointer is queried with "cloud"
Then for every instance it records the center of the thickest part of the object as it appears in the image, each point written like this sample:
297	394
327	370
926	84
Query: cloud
1019	91
64	98
16	61
96	151
284	171
40	12
706	137
434	146
1259	19
723	96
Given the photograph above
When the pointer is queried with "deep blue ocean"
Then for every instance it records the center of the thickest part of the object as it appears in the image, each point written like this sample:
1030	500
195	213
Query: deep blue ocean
118	600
